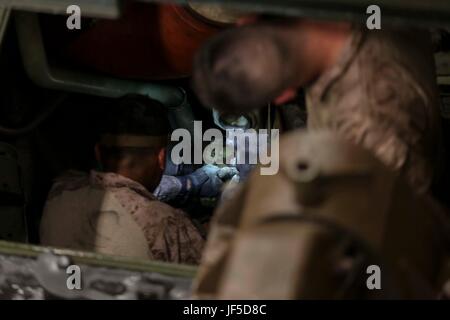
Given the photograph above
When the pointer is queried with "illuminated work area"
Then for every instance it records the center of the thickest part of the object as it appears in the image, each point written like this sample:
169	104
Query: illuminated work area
258	149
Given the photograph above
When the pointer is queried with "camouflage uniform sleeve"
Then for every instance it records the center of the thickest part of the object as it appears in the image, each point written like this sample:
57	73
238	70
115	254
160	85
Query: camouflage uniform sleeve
172	236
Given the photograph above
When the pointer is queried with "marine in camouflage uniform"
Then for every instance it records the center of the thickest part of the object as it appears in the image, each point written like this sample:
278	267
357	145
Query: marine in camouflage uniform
111	214
114	211
382	95
376	88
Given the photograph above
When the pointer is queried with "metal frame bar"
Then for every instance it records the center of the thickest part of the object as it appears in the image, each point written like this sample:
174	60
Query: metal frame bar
45	75
91	8
430	12
413	12
95	259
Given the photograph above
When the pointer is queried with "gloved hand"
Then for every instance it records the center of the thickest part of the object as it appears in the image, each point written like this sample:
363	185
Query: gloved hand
207	181
169	189
227	173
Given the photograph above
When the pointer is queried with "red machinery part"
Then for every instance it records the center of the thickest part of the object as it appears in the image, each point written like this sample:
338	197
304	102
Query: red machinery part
151	42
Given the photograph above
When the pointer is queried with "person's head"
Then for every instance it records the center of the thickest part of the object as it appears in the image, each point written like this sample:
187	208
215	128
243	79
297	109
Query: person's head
133	140
264	60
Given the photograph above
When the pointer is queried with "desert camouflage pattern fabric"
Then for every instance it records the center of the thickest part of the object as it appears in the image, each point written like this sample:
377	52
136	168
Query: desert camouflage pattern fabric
110	214
382	95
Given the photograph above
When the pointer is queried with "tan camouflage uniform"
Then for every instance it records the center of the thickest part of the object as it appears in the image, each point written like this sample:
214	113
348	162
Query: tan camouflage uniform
110	214
382	95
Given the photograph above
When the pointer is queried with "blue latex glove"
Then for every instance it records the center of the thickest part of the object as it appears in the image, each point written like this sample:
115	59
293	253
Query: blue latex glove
205	182
169	189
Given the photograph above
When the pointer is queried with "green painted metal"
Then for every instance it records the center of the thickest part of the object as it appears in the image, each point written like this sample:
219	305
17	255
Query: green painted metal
94	259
